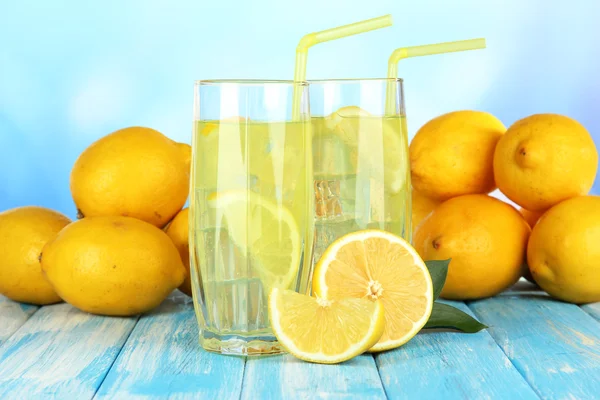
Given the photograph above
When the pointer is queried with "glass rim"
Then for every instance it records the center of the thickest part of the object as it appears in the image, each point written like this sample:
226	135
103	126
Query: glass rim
248	82
354	80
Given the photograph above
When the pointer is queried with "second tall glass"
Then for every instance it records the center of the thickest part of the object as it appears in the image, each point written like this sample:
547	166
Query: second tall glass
251	219
361	163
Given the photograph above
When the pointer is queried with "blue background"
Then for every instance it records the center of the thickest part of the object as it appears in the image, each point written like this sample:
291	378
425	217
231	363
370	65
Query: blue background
73	71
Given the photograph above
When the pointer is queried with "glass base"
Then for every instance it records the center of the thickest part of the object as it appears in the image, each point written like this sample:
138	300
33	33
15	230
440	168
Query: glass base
240	345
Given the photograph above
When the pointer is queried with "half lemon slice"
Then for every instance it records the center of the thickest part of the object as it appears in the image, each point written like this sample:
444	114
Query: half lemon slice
378	265
324	331
266	231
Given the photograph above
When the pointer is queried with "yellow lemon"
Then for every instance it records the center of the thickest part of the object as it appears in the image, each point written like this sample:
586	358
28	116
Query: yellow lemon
486	240
324	331
378	265
544	159
178	231
112	265
136	172
23	233
452	155
563	252
422	206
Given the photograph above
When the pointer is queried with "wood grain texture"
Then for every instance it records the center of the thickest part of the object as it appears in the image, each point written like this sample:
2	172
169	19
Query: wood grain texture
451	365
60	353
592	309
554	345
163	360
286	377
535	347
12	316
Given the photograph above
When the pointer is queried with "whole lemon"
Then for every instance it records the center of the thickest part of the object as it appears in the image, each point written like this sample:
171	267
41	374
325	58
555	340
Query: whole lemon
486	240
23	233
545	159
422	206
112	265
135	172
563	252
452	154
179	233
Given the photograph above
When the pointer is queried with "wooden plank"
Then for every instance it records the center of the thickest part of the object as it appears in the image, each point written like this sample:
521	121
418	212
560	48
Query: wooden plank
60	352
13	315
593	309
286	377
554	345
451	365
163	359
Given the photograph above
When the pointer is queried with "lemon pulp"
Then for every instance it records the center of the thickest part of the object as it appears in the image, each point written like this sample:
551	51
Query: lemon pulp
379	266
324	331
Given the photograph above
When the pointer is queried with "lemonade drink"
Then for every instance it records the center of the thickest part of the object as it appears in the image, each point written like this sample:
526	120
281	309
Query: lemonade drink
361	164
251	213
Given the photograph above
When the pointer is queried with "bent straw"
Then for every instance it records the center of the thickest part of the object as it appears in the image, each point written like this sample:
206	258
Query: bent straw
339	32
425	50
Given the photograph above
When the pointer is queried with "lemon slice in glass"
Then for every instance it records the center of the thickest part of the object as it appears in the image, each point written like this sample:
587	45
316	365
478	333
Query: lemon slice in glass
324	331
373	139
267	232
378	265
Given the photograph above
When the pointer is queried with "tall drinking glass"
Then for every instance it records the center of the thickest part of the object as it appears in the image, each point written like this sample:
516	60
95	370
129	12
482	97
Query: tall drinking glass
251	208
361	163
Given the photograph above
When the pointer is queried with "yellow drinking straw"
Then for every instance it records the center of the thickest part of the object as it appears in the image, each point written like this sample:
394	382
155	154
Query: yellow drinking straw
311	39
425	50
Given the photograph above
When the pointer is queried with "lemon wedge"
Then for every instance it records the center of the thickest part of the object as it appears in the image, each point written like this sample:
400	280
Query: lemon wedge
267	232
380	266
324	331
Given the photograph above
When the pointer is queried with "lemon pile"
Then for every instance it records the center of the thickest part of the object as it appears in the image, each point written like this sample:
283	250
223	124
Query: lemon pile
116	259
544	163
372	290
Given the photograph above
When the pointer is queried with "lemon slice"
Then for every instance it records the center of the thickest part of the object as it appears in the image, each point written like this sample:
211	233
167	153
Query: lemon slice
378	265
372	139
339	123
324	331
264	230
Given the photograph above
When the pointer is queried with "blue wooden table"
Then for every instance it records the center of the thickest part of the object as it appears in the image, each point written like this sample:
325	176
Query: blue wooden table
535	347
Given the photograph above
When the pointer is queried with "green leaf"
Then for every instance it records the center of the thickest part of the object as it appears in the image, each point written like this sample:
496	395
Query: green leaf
438	269
445	316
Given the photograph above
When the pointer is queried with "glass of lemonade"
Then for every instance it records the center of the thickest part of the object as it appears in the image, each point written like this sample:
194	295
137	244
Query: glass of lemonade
361	163
251	208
